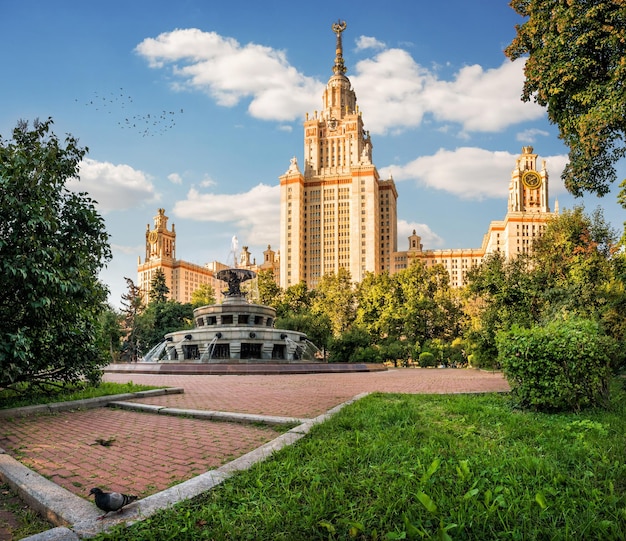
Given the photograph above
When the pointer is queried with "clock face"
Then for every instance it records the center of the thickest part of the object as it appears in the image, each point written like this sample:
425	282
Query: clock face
153	236
531	180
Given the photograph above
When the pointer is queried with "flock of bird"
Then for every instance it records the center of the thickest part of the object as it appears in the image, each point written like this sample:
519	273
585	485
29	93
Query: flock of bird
121	105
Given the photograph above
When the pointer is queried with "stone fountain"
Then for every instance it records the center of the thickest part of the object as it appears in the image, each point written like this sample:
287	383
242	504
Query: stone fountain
234	332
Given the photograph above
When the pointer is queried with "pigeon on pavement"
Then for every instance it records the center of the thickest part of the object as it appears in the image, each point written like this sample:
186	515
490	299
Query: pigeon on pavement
111	501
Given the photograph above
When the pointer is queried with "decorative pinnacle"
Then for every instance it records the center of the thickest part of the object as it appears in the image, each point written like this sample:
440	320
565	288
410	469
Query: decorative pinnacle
339	68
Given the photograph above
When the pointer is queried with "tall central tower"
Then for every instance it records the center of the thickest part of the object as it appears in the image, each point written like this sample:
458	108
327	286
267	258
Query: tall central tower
336	212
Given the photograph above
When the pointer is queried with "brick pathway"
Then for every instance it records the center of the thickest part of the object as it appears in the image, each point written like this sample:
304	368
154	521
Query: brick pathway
151	452
307	395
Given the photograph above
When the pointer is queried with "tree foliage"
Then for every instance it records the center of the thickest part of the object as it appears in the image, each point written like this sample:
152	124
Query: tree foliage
159	291
110	334
53	244
576	68
132	306
335	299
269	290
160	318
294	300
573	271
203	296
416	305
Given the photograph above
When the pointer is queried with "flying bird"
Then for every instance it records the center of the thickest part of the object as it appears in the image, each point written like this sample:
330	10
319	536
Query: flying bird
110	501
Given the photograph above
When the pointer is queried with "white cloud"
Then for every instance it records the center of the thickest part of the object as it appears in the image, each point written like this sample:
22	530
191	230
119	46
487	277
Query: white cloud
229	72
114	187
479	100
256	213
530	135
175	178
366	42
429	238
207	182
471	173
395	93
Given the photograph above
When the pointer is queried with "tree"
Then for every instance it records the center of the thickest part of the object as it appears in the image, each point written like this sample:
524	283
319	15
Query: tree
573	271
378	306
160	318
110	333
296	299
269	290
203	296
500	294
132	306
573	261
335	298
576	68
158	287
53	244
317	328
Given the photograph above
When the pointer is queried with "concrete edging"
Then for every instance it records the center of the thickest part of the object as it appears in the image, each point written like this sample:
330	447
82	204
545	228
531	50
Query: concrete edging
86	403
77	517
208	415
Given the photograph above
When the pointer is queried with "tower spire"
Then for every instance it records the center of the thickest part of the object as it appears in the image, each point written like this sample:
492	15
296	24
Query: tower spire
339	68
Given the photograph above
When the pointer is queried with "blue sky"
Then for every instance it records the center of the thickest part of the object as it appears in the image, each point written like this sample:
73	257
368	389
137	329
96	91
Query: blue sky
197	107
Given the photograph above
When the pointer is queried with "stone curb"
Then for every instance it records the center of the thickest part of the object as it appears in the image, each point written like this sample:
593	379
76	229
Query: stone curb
78	517
87	403
55	534
230	417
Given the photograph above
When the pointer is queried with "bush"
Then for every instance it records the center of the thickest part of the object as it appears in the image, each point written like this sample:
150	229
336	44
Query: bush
564	366
427	359
344	348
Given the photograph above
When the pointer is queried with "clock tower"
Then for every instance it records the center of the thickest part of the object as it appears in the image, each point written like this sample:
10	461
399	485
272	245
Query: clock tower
160	242
528	190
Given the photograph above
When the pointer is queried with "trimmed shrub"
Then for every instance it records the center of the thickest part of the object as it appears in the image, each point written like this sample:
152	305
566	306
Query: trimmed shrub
427	359
564	366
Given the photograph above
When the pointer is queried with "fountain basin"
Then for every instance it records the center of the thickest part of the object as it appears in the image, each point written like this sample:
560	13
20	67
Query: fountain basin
236	332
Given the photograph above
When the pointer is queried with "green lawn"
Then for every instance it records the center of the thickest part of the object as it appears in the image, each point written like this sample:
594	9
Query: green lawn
423	467
52	393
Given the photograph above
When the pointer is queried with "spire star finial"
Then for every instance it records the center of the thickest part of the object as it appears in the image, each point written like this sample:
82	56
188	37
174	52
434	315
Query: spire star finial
339	68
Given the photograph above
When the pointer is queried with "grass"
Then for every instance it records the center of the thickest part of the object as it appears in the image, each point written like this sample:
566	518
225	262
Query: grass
10	399
423	467
16	519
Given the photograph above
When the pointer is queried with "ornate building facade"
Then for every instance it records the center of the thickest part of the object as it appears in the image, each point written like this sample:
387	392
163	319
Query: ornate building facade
181	277
336	212
527	214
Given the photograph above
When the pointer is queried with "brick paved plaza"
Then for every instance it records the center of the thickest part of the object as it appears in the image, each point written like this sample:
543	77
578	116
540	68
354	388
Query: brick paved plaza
151	452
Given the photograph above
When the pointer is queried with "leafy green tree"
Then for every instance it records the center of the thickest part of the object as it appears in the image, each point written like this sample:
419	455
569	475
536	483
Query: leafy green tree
53	244
378	306
573	271
159	291
203	296
317	328
110	333
573	261
349	346
132	306
575	68
500	294
269	290
160	318
427	308
296	299
335	298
